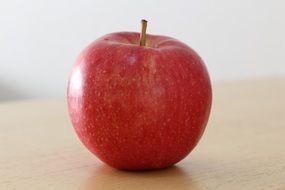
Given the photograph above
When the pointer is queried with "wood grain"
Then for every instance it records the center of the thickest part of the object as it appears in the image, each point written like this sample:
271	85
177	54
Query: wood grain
243	147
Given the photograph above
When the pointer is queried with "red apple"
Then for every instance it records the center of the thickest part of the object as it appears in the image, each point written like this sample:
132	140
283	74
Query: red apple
139	102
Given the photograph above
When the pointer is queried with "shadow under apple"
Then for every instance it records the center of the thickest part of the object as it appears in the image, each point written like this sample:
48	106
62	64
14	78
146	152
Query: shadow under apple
105	177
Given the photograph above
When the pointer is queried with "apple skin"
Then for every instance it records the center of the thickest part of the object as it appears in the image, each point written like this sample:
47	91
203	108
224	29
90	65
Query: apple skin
139	107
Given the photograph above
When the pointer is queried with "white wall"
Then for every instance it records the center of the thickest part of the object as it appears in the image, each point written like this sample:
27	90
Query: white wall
40	39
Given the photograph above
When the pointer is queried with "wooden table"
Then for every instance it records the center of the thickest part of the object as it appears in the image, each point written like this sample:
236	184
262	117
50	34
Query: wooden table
243	147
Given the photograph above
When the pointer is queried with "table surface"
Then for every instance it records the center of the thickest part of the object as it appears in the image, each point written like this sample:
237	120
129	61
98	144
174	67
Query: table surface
243	146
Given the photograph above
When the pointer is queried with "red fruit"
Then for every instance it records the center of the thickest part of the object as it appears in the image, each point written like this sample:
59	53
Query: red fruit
139	107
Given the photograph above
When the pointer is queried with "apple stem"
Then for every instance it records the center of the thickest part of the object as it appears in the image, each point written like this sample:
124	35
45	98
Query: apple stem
143	33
